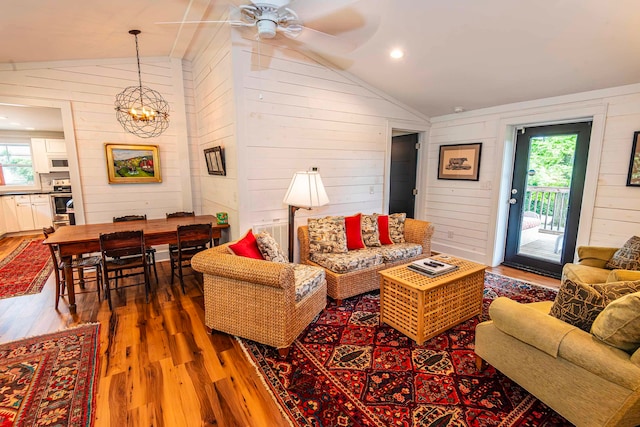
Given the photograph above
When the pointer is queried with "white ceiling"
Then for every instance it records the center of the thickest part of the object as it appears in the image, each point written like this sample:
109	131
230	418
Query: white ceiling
466	53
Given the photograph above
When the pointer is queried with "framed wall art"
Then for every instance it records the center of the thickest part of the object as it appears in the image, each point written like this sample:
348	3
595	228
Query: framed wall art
132	164
633	179
461	161
215	160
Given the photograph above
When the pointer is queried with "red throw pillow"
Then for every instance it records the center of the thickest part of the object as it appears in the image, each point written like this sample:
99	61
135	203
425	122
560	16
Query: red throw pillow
246	247
354	232
383	230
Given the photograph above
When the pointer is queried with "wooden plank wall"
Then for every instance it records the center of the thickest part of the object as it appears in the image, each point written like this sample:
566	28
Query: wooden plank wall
215	112
295	113
91	86
463	211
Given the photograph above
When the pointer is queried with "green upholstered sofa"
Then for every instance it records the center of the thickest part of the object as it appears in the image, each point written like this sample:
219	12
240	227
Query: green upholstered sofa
588	382
590	267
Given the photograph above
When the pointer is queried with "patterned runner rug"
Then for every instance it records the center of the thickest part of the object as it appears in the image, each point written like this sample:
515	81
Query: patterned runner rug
50	380
25	270
347	370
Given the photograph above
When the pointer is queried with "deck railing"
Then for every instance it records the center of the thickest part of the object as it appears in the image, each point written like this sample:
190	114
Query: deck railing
551	204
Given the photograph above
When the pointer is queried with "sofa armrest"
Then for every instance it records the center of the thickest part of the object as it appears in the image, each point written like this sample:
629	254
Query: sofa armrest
595	256
303	240
530	323
623	276
418	231
275	274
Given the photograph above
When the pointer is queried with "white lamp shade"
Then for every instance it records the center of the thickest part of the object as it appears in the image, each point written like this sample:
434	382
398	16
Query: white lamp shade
306	190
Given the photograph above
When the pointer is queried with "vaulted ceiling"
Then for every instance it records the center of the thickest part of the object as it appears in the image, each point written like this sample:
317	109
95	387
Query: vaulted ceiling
458	53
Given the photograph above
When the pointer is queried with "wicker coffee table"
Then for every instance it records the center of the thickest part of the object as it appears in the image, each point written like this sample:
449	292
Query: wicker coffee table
422	307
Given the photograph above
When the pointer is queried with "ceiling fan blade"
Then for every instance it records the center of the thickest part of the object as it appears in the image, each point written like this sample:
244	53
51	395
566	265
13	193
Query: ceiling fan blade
308	10
232	23
320	41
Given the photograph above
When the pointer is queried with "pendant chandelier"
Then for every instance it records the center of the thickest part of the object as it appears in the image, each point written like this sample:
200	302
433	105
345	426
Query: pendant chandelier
140	110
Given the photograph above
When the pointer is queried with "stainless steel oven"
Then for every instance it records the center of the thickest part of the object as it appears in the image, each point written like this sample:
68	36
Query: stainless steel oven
60	196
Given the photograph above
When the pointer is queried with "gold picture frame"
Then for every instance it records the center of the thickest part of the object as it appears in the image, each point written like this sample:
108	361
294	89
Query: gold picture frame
132	164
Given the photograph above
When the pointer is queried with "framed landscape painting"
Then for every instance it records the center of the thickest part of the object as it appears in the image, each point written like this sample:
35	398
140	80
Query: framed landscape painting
132	164
633	179
461	161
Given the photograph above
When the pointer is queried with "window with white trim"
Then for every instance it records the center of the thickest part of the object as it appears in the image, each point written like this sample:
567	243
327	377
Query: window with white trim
16	164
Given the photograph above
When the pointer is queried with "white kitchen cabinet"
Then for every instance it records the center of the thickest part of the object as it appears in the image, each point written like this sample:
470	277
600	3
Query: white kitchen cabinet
3	222
31	212
10	213
23	210
41	210
56	146
42	149
39	154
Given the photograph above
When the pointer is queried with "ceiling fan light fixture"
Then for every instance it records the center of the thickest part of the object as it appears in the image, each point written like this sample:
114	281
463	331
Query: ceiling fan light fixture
140	110
266	29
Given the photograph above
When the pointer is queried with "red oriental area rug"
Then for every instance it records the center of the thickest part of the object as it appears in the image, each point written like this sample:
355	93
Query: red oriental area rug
347	370
50	380
25	270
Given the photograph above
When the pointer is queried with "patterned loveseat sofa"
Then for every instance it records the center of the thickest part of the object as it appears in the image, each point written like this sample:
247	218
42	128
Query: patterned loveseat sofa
388	241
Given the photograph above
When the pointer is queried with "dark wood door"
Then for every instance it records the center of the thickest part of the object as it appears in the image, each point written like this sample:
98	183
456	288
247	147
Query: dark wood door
404	160
546	196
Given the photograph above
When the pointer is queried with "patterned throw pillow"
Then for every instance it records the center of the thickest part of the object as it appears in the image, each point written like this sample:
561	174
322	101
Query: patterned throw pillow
619	323
579	304
327	235
269	248
370	233
627	257
396	227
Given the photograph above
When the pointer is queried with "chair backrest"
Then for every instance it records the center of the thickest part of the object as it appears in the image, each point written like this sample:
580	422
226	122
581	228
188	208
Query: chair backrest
180	214
48	231
129	218
122	243
194	235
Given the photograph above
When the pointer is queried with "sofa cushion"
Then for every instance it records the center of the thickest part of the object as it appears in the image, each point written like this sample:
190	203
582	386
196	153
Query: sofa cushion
348	262
396	227
584	273
618	275
353	229
307	279
269	248
579	304
619	323
399	251
327	235
383	230
246	247
627	257
370	233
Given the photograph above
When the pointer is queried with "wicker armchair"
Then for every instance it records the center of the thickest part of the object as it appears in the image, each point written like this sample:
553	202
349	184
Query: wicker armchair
340	286
255	299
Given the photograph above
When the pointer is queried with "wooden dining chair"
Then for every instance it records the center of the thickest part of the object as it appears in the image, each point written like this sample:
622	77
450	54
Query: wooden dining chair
79	265
124	255
179	214
192	239
151	251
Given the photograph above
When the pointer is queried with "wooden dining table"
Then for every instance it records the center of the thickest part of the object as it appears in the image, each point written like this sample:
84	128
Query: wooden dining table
75	240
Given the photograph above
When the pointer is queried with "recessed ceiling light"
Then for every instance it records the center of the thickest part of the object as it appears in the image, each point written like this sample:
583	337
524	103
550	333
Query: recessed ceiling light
458	109
396	53
29	128
14	124
3	118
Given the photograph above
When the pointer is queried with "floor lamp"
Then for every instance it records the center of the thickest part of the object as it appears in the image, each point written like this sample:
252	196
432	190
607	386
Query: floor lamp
305	191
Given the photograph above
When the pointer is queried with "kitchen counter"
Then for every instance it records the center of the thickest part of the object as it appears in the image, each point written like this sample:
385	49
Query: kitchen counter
22	193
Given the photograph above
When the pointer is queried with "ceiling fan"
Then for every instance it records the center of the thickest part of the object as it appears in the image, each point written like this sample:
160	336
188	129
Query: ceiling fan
286	17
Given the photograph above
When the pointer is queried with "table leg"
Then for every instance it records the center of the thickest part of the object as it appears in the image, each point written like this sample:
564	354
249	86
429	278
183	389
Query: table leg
68	280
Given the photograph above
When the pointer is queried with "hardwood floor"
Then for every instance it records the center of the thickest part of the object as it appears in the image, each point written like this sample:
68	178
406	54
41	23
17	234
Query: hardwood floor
158	365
